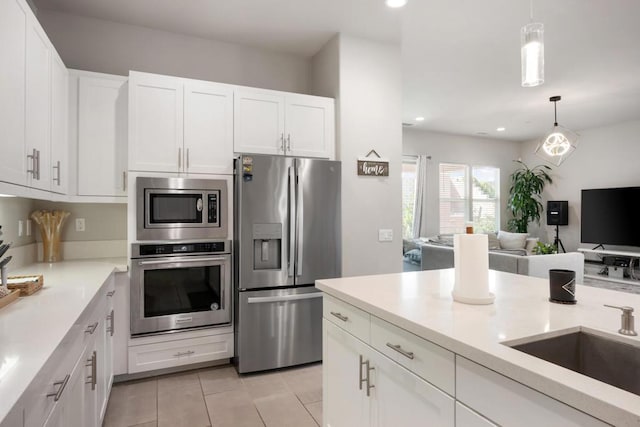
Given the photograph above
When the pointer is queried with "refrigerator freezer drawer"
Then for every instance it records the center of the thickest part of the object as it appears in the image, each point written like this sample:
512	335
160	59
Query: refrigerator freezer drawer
278	328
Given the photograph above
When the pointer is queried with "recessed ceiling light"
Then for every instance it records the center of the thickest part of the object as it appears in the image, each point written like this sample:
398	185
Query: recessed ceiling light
420	119
395	3
501	129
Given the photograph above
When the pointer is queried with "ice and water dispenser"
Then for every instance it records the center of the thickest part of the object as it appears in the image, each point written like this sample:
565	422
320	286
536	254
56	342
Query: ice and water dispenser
267	241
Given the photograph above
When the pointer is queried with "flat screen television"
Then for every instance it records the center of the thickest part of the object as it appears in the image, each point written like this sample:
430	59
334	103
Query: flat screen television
611	216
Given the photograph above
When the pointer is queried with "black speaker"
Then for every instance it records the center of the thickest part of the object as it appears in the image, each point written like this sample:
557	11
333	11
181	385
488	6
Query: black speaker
557	212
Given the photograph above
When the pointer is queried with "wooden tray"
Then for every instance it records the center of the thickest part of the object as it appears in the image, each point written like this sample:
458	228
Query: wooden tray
9	298
26	287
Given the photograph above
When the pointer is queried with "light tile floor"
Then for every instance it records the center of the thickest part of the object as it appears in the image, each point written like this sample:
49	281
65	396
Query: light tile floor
219	397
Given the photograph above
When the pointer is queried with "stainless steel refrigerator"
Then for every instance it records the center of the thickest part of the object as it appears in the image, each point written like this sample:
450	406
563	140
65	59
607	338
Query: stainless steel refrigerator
287	235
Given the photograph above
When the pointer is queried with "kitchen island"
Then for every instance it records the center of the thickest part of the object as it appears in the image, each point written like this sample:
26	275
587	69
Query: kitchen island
416	350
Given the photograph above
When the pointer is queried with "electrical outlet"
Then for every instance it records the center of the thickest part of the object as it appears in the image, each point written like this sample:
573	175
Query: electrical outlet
20	228
385	235
28	227
79	224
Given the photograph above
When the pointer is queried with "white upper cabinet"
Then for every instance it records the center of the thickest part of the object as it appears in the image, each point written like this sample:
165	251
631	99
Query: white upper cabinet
156	120
208	128
13	24
310	126
269	122
38	105
102	135
59	126
180	125
259	122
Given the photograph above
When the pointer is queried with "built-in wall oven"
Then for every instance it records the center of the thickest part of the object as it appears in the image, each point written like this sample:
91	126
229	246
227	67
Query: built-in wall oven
181	208
177	286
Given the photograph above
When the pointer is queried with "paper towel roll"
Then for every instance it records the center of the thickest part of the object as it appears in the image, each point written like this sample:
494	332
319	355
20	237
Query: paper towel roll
471	261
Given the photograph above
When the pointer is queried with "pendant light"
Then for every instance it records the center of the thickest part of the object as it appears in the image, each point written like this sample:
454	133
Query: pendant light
558	144
532	52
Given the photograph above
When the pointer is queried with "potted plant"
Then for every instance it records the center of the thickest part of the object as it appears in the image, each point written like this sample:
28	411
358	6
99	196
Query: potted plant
524	195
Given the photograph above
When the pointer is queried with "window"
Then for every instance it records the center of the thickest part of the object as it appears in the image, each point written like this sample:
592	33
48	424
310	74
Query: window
469	194
409	172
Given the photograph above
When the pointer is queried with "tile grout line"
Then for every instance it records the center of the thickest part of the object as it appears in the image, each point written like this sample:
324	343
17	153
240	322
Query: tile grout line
307	409
203	399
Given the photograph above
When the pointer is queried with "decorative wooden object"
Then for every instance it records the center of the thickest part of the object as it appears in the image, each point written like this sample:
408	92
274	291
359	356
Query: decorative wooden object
9	298
373	166
27	285
50	223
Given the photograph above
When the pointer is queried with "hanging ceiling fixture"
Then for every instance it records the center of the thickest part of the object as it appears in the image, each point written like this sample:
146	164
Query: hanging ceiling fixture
532	52
558	144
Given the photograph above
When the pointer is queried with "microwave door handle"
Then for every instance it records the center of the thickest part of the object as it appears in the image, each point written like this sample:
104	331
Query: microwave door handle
157	262
291	203
299	222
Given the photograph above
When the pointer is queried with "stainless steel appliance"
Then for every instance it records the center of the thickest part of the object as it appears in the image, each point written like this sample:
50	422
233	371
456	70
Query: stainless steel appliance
287	219
180	208
180	285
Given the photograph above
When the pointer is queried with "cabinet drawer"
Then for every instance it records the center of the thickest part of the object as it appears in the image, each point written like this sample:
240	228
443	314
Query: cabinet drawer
168	354
346	316
425	359
508	402
465	417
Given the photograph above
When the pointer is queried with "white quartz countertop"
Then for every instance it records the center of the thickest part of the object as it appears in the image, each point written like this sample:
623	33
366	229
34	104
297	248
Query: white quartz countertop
421	303
32	327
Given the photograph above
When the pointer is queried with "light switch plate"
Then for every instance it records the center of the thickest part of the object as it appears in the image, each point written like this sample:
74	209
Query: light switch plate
385	235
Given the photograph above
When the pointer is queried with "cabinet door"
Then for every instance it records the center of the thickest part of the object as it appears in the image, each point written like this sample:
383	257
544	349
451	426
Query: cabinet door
401	398
155	123
208	128
121	324
102	136
38	103
258	122
345	402
59	126
309	126
13	24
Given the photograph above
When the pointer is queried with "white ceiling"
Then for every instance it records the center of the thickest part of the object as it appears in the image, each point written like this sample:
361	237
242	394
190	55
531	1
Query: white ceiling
461	58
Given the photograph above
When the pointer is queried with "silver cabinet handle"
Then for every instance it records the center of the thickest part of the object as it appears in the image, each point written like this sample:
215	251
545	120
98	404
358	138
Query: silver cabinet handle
282	142
62	384
57	169
38	165
288	142
399	349
179	159
361	379
110	317
340	316
91	329
124	180
93	378
185	353
32	157
111	293
367	380
369	385
188	159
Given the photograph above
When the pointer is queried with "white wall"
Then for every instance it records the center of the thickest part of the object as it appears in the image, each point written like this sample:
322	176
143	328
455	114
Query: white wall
109	47
606	157
369	105
448	148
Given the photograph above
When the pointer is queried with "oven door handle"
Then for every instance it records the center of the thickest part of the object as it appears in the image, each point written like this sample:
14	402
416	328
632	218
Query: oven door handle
157	262
257	300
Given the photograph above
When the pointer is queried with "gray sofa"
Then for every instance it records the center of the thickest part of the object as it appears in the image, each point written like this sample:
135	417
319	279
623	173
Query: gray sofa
435	257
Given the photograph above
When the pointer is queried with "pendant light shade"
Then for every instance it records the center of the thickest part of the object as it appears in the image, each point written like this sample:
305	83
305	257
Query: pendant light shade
532	54
558	144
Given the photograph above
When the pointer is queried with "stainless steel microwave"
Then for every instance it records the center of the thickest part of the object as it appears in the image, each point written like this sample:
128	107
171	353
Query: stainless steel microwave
181	208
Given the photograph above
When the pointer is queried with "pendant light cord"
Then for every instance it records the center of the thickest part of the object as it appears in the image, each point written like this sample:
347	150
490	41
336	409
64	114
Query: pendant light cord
555	113
531	10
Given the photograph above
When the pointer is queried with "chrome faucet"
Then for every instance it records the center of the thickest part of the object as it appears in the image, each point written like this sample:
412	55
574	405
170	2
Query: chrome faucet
627	319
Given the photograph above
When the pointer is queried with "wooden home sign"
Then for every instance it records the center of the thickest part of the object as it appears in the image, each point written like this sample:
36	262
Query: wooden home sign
373	166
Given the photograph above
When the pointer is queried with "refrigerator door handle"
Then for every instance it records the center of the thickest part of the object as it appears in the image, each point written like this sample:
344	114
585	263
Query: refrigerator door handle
292	210
257	300
299	222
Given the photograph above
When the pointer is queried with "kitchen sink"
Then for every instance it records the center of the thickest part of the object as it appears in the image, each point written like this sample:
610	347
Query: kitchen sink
608	358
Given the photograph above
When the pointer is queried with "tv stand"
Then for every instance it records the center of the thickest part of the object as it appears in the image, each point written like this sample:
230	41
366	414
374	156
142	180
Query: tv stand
633	256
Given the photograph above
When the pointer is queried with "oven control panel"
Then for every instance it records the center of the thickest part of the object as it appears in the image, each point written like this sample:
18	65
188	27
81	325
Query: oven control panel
156	249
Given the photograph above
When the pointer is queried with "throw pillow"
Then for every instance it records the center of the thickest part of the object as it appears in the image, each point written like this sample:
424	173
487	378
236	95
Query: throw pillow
494	243
512	240
530	244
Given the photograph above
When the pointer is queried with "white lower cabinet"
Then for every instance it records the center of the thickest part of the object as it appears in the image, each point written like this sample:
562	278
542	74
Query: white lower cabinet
465	417
366	388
